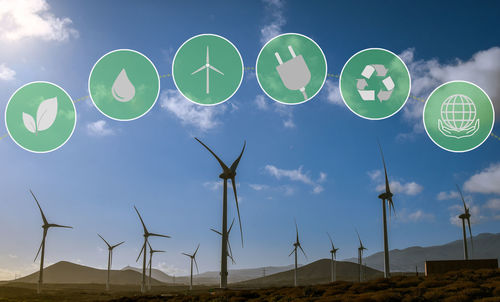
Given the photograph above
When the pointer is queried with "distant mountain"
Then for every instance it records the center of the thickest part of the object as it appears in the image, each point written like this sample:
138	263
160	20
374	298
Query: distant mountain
486	245
313	273
67	272
212	278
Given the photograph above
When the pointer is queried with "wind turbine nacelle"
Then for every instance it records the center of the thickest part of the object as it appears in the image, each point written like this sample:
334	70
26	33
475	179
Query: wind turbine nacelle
227	175
385	195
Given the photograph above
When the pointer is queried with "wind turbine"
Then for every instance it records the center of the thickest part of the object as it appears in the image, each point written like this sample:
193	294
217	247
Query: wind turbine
360	256
46	226
146	235
386	197
151	252
227	173
465	216
230	252
333	266
110	257
294	251
193	259
207	67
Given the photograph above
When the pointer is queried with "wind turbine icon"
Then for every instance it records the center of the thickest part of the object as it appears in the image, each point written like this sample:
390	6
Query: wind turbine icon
207	66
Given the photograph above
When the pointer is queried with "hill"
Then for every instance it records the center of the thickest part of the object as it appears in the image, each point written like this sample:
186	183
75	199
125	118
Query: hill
313	273
486	245
67	272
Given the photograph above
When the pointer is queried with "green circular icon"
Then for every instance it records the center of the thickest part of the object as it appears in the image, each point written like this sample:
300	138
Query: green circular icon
40	117
207	69
124	84
375	83
291	68
458	116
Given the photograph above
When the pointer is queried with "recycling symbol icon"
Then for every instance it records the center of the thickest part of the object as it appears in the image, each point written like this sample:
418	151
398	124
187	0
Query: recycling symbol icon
380	71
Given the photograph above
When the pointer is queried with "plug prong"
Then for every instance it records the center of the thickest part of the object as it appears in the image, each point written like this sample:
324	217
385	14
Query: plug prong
278	58
291	51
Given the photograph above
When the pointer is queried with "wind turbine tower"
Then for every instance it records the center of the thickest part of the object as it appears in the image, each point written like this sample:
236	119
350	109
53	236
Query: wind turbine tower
110	258
146	235
386	197
193	259
151	252
227	173
361	248
333	265
465	216
296	245
46	226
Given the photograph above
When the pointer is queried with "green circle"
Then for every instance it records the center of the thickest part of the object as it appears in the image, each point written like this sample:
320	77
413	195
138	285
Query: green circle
378	107
212	84
458	116
140	73
40	117
281	81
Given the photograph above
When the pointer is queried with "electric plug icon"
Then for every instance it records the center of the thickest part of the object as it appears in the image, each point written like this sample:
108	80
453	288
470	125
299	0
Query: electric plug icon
294	73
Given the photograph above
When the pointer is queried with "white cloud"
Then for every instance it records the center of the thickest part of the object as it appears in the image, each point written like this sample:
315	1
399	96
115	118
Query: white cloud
447	195
474	210
201	117
414	216
258	187
409	188
33	18
217	185
274	9
483	69
333	93
12	256
487	181
99	128
493	204
6	73
296	175
261	102
171	270
375	174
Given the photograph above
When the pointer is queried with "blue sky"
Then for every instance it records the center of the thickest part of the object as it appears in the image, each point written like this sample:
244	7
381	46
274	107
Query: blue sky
316	162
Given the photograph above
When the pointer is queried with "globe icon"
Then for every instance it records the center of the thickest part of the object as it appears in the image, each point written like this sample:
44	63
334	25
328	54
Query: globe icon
458	112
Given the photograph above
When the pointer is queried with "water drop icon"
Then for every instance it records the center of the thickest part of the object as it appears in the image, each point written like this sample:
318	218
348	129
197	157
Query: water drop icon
123	90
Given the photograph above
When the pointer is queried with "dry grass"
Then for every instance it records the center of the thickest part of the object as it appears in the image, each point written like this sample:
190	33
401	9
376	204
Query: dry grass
480	285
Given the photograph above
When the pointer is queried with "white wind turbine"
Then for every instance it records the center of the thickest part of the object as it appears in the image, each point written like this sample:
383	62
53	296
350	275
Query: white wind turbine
207	66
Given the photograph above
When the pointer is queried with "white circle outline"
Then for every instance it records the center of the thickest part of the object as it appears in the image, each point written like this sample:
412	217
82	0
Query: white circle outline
42	82
242	69
492	124
157	94
324	79
409	88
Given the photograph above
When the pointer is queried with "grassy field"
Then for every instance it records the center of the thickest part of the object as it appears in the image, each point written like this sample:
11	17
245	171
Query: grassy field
480	285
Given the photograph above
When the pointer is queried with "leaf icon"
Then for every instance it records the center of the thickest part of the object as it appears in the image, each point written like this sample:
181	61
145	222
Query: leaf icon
46	114
29	123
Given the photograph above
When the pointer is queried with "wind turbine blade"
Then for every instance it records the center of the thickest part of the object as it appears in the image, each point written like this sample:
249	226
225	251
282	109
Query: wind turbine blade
109	246
297	231
391	205
237	208
159	235
52	225
229	247
292	252
237	161
470	233
199	69
142	221
232	259
159	251
142	250
360	243
387	189
117	244
41	212
187	255
38	251
230	227
215	69
208	56
150	248
216	231
331	241
303	251
221	163
462	196
196	251
196	264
